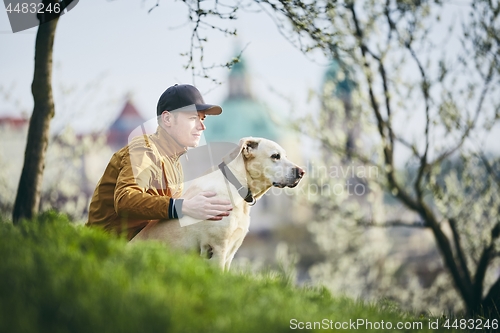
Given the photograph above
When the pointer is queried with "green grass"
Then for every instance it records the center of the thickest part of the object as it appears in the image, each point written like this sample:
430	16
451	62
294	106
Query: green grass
57	277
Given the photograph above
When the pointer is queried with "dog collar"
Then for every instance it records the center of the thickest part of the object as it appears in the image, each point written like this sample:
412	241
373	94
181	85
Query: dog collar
243	191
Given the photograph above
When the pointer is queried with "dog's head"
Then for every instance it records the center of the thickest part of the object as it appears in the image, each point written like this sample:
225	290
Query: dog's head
267	164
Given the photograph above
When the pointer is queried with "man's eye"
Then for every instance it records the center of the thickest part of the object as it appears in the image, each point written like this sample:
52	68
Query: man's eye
275	156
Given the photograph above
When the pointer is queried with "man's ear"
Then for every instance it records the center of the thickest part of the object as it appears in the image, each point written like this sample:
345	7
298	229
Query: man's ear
166	119
249	145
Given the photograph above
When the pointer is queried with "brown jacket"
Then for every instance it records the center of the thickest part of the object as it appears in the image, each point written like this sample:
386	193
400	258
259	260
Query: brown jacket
138	185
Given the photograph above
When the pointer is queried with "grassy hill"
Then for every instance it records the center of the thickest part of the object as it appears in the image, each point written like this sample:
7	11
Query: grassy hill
57	277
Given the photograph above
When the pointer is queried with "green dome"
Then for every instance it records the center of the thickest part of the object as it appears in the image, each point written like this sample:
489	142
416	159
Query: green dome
242	114
341	77
240	118
239	68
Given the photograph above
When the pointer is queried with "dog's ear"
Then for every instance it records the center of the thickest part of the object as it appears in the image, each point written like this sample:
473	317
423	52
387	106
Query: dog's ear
249	145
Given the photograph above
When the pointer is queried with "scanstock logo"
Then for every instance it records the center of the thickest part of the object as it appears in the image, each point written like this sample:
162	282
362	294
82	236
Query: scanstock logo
26	14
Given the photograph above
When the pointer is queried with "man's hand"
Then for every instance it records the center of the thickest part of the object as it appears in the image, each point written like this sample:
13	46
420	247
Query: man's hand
206	206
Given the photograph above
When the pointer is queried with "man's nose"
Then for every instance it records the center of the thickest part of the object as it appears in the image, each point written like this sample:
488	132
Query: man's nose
201	125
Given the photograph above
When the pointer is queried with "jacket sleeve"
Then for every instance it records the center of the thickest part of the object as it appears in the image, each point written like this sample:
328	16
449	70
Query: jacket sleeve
137	195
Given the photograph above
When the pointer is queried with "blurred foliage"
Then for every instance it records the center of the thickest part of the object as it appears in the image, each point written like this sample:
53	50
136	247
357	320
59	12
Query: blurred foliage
412	92
66	185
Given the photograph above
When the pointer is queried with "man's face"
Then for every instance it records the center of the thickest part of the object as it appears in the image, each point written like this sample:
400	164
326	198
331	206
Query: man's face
186	127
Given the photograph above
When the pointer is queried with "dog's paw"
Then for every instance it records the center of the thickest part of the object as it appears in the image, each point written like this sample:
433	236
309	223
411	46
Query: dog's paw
207	251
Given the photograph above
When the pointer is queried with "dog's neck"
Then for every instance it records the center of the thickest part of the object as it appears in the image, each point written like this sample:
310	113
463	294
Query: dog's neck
258	188
237	167
257	191
260	192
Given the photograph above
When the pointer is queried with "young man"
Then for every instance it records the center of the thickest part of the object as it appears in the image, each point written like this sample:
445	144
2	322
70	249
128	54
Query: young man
143	181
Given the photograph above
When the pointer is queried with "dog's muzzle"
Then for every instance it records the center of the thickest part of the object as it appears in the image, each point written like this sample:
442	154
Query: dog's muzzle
298	173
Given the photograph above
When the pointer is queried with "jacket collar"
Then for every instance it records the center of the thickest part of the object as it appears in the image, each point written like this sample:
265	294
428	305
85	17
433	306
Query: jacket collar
166	144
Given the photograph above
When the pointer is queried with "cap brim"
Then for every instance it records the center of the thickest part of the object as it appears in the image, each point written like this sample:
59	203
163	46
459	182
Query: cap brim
209	109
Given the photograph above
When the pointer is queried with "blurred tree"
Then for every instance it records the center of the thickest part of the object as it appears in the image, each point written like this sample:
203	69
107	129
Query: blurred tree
427	75
28	192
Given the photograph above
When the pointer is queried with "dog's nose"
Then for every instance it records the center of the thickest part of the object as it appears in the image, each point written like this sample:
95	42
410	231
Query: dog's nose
299	172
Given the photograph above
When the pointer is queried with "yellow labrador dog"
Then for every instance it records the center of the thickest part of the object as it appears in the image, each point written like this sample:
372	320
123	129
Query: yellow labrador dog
242	177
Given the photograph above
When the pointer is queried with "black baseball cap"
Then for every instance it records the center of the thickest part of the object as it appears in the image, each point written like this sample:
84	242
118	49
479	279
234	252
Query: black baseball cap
180	96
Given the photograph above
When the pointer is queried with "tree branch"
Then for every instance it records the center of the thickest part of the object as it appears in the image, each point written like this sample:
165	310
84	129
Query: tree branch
459	250
492	299
387	147
444	246
394	223
472	124
484	262
425	90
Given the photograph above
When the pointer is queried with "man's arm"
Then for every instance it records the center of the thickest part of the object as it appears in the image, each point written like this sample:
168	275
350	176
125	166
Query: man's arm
136	196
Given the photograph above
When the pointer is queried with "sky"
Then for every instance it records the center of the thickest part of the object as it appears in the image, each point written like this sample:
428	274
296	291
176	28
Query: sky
107	50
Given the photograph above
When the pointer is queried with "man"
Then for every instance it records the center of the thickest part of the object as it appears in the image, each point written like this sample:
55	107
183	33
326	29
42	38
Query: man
143	181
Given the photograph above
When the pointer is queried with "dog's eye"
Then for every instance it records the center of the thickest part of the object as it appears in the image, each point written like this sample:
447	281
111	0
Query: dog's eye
275	156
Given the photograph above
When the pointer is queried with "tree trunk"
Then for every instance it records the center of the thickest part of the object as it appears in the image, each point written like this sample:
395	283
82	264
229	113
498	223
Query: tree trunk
30	183
490	305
